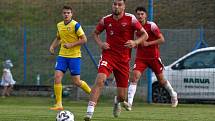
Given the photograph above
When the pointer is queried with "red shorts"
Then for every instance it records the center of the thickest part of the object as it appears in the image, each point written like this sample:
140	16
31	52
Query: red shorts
155	64
120	70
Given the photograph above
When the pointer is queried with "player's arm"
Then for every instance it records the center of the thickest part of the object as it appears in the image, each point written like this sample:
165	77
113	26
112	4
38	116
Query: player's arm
54	44
144	36
102	45
81	40
156	31
141	39
158	41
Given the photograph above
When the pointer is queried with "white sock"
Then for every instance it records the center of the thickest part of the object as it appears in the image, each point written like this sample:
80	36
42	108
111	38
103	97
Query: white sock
169	88
131	92
91	107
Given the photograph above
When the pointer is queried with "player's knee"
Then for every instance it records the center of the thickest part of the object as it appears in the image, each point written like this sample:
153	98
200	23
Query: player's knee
136	76
135	79
57	76
100	79
100	83
57	81
161	79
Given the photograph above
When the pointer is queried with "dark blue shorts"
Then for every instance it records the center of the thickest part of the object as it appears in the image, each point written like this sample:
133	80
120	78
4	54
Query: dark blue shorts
73	64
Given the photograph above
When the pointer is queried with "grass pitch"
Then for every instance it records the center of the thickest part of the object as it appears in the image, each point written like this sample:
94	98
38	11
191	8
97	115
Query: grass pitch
37	109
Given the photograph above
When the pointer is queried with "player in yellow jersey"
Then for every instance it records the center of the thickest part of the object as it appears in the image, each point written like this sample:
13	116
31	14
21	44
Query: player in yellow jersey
70	37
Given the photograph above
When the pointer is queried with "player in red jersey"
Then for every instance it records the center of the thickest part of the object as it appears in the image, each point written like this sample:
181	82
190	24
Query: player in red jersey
116	53
148	55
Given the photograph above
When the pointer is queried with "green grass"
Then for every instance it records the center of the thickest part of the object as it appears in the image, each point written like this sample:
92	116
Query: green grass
36	109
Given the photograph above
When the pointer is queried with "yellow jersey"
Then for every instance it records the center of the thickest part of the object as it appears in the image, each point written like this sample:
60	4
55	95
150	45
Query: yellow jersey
69	33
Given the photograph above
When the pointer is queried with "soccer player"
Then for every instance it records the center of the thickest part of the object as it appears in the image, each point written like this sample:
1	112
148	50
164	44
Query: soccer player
148	55
70	37
116	53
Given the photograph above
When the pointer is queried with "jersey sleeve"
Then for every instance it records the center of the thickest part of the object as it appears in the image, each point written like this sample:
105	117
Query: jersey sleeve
155	29
136	24
78	29
57	34
100	26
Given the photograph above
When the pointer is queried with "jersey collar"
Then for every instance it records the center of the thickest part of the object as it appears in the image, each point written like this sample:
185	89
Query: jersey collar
67	22
119	18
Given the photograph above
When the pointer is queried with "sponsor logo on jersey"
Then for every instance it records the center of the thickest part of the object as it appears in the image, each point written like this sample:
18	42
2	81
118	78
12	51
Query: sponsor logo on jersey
124	24
68	28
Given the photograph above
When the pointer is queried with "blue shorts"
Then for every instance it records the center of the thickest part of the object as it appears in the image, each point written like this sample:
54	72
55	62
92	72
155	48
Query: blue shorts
74	65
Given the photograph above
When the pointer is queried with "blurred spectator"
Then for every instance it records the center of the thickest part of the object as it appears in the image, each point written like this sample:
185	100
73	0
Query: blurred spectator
7	78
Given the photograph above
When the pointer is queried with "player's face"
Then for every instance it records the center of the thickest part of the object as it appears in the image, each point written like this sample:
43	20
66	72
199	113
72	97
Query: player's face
141	16
118	7
67	14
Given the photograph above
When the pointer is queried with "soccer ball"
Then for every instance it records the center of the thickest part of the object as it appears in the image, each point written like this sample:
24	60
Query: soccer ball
65	116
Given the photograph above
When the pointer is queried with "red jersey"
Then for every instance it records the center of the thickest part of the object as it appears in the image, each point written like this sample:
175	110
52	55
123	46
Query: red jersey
152	51
117	33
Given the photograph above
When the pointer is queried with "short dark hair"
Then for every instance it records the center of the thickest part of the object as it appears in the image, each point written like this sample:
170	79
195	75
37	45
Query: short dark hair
141	9
123	0
67	7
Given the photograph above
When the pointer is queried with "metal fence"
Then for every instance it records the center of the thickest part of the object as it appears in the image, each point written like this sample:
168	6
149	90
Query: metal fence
27	27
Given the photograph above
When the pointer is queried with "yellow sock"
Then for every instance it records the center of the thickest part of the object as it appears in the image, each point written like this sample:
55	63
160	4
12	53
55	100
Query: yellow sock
58	93
85	87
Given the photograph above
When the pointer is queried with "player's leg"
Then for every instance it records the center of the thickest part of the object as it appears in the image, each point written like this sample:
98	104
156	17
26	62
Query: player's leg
158	67
58	90
139	67
94	95
118	100
75	69
80	83
104	70
132	89
165	83
85	87
60	69
121	74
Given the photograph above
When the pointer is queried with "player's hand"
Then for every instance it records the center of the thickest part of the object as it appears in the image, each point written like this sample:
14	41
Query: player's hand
130	44
145	43
51	50
68	45
105	46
